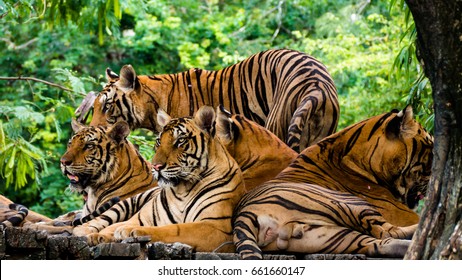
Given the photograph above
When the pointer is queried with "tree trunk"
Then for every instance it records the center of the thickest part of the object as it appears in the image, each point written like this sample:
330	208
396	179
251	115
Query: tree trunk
439	44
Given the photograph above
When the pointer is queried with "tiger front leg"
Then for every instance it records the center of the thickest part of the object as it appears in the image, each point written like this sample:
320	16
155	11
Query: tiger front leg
202	236
49	228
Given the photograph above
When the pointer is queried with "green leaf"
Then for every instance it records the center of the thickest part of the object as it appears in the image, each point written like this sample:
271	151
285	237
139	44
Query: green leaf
117	10
12	158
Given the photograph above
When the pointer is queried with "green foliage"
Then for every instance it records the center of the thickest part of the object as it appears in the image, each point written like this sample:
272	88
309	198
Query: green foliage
367	46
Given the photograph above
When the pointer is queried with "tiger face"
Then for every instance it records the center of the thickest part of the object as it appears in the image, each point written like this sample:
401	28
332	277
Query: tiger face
181	149
395	151
409	154
90	158
116	102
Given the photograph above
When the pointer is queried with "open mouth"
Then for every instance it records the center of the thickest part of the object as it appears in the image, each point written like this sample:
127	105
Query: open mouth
73	178
76	184
413	199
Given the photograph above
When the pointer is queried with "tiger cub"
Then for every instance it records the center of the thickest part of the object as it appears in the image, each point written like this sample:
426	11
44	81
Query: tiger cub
199	186
373	160
288	92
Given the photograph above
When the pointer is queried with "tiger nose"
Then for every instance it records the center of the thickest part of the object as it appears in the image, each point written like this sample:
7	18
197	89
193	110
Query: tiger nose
157	166
64	161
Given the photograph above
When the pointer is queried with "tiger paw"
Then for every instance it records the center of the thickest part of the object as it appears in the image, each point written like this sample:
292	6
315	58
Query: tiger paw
94	239
124	232
83	231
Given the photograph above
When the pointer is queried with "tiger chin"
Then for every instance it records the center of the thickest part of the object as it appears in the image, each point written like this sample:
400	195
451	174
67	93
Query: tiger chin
199	186
386	158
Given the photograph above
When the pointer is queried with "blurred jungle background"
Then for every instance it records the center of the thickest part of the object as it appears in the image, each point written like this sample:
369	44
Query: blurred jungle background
54	52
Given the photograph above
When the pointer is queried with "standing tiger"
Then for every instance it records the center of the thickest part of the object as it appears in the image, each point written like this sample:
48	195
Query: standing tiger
374	163
287	91
258	152
200	184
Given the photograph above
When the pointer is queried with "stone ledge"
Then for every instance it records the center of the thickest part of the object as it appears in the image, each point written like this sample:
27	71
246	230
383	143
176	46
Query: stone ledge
26	244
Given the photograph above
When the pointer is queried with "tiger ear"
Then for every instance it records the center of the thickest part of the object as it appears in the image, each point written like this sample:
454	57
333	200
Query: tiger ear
111	76
76	126
163	118
128	80
119	131
204	118
224	125
402	125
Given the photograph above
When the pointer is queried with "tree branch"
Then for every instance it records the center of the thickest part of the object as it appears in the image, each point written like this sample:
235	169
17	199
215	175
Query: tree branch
41	81
13	46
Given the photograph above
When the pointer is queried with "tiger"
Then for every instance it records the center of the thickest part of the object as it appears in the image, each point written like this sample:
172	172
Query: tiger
307	218
344	194
260	154
385	159
102	164
288	92
199	186
104	167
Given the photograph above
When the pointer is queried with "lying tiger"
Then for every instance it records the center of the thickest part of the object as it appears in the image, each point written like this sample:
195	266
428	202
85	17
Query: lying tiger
258	152
158	212
386	155
289	92
385	160
103	166
13	214
199	186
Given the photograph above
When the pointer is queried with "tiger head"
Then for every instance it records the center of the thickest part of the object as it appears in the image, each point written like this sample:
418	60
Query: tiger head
182	147
91	156
392	150
123	98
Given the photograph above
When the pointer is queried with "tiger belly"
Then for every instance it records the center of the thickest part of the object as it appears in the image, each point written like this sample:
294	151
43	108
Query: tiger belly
305	218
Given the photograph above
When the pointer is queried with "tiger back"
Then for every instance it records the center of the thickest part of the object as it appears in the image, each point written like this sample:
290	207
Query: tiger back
385	159
199	186
288	92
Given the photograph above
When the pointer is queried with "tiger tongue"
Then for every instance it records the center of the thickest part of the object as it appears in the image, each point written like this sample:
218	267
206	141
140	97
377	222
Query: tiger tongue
74	179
